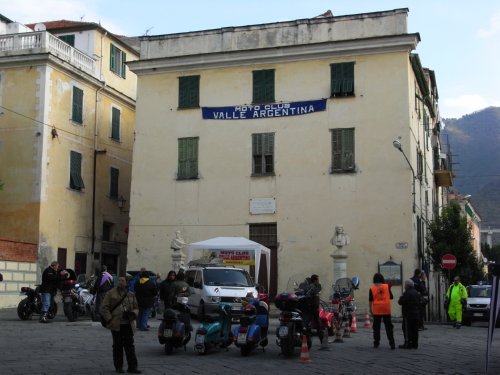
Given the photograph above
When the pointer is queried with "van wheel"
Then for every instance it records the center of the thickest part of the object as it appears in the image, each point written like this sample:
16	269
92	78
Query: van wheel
201	310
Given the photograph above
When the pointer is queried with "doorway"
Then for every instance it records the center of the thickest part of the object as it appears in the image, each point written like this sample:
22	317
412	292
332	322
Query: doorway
266	235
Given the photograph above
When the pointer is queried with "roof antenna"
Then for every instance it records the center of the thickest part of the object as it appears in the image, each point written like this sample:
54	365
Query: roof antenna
81	18
147	31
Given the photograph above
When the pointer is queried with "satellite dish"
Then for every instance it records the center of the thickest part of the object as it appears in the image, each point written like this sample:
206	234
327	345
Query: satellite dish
40	27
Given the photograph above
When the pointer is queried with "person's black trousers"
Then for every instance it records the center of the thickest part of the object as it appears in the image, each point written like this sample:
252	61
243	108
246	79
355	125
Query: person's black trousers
123	340
389	329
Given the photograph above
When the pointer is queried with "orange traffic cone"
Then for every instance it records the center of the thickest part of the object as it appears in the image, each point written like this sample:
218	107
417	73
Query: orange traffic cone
354	323
368	323
304	351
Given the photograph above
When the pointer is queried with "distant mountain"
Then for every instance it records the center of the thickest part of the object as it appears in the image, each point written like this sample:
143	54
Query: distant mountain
475	145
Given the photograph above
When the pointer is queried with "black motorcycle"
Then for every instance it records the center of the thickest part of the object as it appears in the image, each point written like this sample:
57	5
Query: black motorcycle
32	304
175	328
294	319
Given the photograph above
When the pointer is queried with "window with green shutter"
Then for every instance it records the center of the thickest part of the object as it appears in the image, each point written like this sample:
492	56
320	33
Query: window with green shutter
188	158
77	113
70	39
342	76
114	175
115	124
263	86
75	172
342	150
117	60
189	92
262	154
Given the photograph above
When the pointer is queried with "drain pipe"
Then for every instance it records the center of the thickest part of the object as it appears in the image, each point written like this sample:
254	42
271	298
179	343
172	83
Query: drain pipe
96	152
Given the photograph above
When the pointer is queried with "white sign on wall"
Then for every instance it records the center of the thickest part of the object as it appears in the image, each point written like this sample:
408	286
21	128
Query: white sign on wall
260	206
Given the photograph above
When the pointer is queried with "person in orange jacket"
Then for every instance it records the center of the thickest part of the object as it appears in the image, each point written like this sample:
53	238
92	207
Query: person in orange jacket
380	307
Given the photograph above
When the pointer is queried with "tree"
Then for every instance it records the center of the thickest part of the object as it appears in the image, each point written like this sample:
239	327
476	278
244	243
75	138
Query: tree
450	233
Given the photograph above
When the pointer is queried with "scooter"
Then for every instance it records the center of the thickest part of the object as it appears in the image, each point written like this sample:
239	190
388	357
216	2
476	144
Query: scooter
343	305
77	300
175	328
253	327
215	330
32	304
292	319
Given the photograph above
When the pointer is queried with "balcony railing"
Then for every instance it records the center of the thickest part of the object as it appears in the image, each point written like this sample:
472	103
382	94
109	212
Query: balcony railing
44	42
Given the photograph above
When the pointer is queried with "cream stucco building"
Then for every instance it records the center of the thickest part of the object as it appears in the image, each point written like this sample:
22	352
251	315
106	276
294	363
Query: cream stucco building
279	132
67	116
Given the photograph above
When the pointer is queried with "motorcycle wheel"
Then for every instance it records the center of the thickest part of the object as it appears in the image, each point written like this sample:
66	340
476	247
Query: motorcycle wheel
23	310
286	346
52	311
169	348
69	312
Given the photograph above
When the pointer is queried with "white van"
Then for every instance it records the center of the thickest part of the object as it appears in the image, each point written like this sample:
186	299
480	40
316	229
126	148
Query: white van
211	284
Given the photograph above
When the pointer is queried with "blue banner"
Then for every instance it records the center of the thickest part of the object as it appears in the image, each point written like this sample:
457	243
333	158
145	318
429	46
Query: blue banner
250	112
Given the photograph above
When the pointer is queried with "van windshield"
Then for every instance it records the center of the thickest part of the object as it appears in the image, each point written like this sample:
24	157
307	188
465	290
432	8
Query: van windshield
484	292
227	277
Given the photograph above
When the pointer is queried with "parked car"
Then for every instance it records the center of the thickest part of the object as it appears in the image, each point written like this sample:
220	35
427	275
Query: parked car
478	304
210	284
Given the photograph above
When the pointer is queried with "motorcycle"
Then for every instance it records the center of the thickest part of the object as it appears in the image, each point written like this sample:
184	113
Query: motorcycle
32	304
77	300
175	329
253	327
294	318
342	305
215	330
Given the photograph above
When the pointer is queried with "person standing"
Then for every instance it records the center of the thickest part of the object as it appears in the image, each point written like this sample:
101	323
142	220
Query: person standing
421	289
167	290
48	288
380	296
145	292
102	285
119	309
456	297
410	303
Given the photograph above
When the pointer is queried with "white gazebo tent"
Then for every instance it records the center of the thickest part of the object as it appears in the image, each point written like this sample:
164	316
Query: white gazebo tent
233	243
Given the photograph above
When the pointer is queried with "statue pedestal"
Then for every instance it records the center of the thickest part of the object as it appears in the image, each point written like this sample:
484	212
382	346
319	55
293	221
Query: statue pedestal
178	259
339	264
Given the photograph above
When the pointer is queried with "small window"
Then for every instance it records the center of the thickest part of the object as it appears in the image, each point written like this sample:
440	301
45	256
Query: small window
420	164
342	150
188	158
115	124
262	154
114	175
75	179
117	60
342	76
70	39
189	92
77	113
263	86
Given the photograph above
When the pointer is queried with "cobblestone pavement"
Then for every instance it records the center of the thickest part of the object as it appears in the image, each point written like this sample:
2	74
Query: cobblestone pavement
84	347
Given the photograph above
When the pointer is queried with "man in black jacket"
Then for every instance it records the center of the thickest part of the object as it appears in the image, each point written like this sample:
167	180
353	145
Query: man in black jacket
410	303
145	292
48	288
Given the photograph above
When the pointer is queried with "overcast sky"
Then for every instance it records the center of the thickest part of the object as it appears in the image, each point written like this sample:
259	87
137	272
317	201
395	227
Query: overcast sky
460	40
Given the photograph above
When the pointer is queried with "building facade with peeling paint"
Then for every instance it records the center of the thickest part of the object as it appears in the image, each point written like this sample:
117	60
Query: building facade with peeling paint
67	104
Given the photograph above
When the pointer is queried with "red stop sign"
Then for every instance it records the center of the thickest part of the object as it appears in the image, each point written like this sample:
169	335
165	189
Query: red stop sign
448	261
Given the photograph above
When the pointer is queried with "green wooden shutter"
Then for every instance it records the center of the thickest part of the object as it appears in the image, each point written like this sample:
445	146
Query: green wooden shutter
70	39
124	66
188	158
348	79
77	111
336	150
112	58
263	86
76	181
347	149
115	123
189	92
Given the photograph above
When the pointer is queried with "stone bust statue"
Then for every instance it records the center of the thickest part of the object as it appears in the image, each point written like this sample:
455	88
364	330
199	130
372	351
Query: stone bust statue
178	242
340	239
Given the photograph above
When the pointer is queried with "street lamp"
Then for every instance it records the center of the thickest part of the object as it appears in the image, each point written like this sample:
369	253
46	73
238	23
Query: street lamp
397	145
